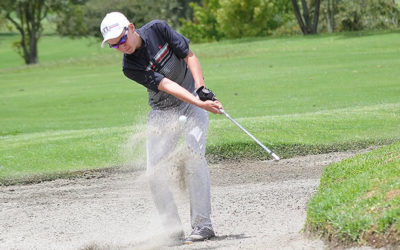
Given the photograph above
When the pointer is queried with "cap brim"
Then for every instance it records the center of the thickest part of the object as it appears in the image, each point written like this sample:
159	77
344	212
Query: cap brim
103	43
111	35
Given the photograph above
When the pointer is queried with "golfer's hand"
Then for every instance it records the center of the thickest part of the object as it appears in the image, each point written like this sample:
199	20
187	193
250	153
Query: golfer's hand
212	106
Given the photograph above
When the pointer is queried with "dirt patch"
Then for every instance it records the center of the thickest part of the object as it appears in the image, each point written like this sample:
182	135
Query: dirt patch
256	205
390	239
392	194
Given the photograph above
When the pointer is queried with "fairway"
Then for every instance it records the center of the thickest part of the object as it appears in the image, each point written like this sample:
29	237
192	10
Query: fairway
298	95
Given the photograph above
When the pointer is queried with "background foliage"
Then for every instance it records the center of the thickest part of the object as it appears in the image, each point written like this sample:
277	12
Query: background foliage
204	26
204	20
84	20
367	15
217	19
27	17
344	15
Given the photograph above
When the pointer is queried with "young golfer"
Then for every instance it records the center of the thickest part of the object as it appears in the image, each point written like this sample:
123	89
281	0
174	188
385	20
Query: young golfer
159	58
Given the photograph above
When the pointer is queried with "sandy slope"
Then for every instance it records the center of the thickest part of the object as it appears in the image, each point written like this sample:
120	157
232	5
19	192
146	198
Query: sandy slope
256	205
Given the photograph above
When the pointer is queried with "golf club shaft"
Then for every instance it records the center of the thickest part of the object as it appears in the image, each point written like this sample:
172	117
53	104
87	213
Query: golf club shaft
251	136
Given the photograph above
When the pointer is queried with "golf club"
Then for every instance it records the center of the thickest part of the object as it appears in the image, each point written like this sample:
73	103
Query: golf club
276	158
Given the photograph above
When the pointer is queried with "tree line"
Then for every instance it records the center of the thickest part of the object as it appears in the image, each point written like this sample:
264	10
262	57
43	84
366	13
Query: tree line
200	20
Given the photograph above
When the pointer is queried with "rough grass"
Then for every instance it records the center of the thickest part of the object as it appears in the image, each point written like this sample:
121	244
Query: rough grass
358	201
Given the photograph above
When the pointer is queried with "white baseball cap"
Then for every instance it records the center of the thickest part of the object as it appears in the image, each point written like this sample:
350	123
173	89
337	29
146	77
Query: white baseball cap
112	26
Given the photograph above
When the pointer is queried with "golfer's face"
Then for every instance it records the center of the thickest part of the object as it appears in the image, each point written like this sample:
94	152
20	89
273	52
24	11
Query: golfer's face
126	42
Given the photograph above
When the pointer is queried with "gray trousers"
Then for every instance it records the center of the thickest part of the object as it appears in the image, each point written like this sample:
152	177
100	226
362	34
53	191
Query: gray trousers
164	134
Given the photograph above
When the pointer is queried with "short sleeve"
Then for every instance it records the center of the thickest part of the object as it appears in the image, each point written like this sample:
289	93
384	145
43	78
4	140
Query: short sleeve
178	42
149	79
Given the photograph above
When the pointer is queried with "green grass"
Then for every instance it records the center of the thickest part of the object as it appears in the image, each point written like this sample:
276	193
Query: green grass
359	199
51	49
299	95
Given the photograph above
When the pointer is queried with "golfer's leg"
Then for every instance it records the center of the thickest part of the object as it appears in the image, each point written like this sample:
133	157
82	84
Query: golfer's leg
198	175
160	143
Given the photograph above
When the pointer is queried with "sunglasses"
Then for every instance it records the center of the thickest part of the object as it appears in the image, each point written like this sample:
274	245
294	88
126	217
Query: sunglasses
121	41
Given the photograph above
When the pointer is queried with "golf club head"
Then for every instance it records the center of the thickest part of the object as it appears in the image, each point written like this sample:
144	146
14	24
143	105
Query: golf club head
276	158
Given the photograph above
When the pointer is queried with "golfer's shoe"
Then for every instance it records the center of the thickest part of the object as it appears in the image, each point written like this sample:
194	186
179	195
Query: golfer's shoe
200	234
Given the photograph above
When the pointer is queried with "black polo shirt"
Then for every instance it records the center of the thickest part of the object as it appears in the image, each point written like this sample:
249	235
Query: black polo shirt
161	55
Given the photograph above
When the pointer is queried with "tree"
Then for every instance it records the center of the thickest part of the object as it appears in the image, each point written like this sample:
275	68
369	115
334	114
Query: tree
174	10
84	20
217	19
204	26
245	18
308	21
368	15
27	17
331	9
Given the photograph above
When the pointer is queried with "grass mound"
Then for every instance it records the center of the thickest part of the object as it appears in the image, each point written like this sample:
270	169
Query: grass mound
358	201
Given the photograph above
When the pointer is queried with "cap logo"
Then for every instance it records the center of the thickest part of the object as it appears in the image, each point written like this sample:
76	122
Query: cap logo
108	28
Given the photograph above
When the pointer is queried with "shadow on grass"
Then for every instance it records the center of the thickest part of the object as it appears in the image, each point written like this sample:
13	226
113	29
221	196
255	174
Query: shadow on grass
355	34
214	154
337	35
97	173
251	151
8	34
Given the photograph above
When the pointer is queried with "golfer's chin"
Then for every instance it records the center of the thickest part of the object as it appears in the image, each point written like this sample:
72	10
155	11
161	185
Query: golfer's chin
129	50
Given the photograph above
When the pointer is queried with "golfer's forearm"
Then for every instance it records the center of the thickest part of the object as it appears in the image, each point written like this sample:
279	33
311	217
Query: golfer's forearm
195	68
178	91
